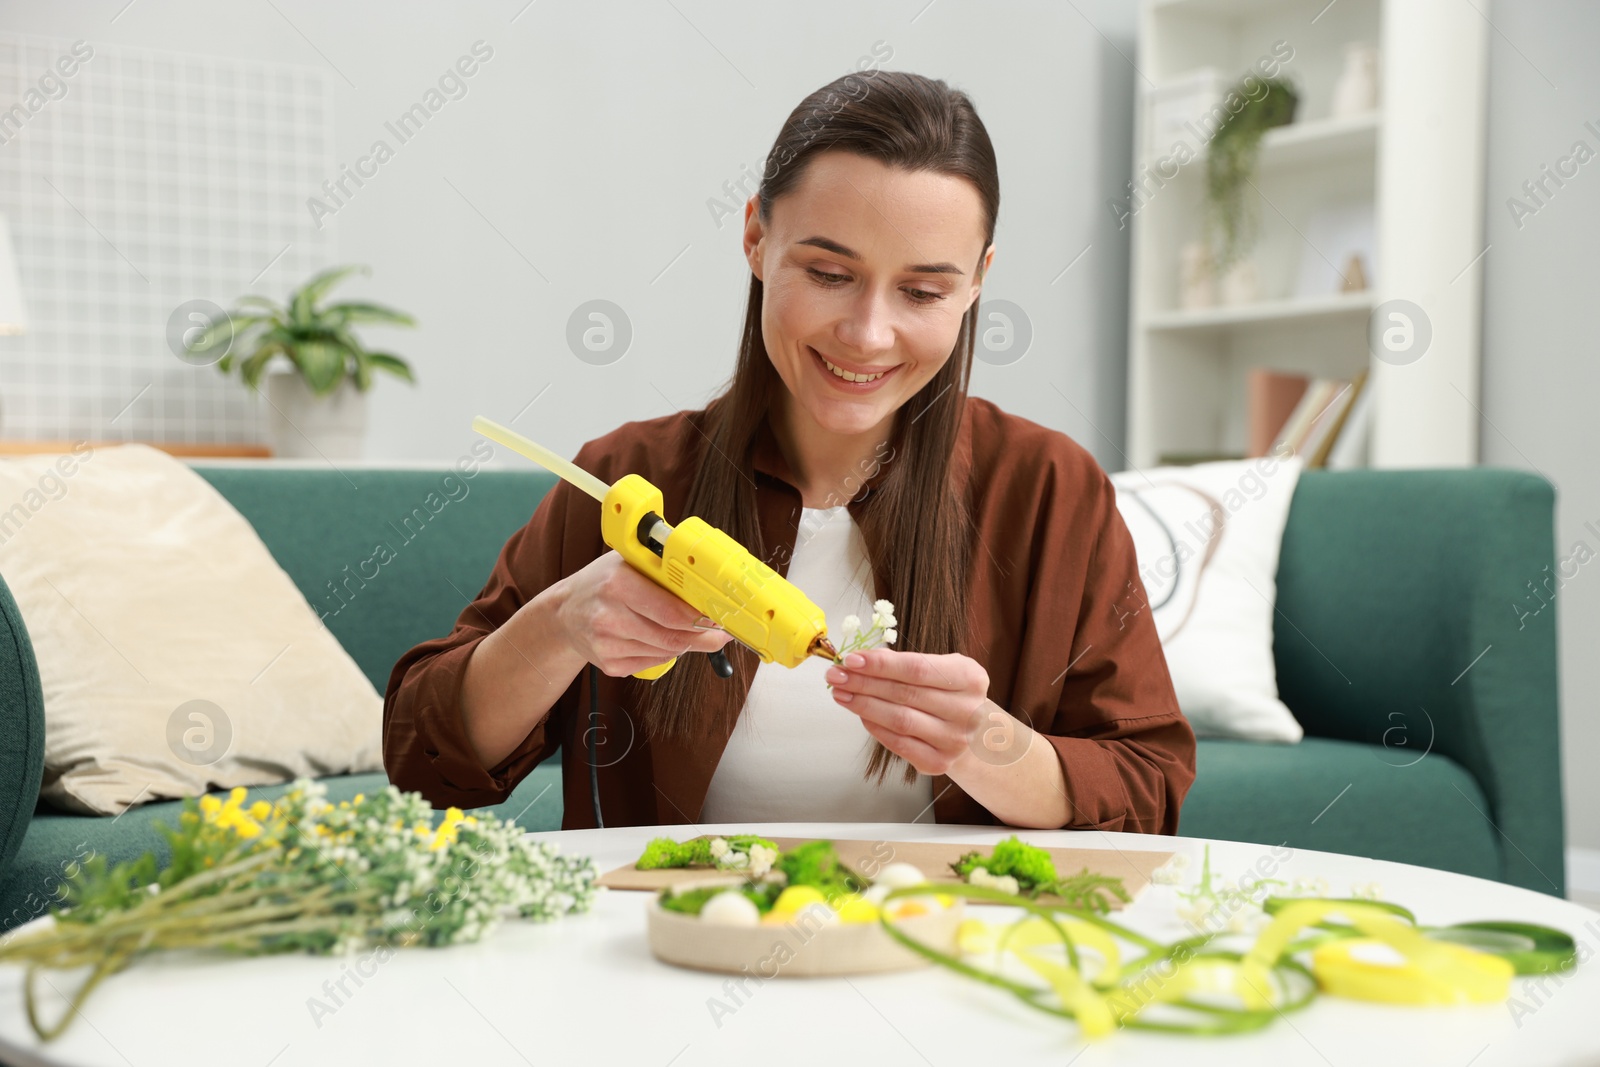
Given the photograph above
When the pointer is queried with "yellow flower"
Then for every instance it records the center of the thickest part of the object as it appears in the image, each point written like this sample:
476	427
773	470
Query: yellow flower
229	815
446	834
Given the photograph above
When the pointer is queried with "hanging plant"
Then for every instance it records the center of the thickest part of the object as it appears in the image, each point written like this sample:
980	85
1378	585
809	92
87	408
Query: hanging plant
1231	165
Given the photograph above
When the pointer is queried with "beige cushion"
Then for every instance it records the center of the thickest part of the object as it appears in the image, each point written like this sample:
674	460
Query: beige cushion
176	656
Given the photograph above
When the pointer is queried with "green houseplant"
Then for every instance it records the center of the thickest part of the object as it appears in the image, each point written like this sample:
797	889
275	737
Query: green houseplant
318	340
318	408
1231	165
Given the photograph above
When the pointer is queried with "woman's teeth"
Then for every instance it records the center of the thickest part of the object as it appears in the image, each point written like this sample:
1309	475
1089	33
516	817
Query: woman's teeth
850	376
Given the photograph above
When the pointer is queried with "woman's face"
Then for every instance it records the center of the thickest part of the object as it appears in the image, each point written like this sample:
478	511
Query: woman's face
870	269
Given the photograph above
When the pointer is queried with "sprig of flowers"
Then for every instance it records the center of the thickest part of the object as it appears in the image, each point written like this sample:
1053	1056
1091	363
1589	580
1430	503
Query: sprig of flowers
882	630
303	874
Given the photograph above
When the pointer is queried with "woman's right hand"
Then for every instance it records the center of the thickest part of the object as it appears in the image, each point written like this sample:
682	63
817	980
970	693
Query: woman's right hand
622	622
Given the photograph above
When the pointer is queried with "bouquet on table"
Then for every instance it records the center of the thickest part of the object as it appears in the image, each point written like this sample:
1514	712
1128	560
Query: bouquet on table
301	875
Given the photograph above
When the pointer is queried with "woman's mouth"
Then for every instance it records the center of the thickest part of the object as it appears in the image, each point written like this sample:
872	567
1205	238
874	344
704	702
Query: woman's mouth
847	380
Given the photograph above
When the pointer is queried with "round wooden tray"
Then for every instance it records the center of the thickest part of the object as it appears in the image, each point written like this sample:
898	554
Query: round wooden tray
802	949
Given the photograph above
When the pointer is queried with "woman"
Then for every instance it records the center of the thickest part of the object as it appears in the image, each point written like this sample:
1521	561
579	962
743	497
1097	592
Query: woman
1026	684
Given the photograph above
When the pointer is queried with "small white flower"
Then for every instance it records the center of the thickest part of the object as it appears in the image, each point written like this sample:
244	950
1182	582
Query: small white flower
1004	882
761	859
719	848
882	607
1241	921
890	636
1168	873
850	626
1367	891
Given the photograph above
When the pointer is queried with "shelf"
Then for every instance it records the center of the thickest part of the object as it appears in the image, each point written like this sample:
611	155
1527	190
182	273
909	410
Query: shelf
1318	141
1321	140
1230	8
19	447
1352	306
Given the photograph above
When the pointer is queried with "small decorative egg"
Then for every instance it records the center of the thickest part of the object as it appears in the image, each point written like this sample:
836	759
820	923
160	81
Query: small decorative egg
795	897
815	914
899	875
855	909
730	908
875	894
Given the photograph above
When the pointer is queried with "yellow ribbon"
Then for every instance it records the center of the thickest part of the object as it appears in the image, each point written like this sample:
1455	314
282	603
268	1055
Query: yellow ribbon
1432	972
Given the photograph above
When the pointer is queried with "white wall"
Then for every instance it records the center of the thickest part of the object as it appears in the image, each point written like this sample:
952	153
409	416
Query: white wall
1541	376
584	152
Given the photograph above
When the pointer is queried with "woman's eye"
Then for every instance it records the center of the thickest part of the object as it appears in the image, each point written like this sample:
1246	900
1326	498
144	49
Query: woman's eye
920	296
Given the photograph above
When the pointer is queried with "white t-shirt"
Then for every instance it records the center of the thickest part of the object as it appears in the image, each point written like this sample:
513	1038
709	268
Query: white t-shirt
795	755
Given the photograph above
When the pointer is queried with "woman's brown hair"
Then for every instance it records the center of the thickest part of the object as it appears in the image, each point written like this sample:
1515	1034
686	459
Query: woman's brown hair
922	527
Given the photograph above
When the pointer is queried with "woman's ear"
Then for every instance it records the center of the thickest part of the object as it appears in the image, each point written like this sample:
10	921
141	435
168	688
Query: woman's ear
979	274
753	234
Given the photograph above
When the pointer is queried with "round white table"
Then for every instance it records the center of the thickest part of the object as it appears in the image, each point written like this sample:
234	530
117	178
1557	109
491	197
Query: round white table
587	989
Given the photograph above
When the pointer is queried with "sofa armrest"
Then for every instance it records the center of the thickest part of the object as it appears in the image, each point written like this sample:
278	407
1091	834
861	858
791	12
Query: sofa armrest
1407	619
21	729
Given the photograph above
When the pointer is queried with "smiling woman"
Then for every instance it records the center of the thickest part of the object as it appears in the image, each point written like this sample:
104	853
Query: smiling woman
1013	692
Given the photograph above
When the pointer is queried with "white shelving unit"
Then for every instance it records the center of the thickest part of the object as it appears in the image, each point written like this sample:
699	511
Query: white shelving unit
1417	159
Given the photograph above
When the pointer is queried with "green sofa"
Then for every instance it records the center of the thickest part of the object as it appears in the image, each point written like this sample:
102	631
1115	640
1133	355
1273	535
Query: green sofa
1421	746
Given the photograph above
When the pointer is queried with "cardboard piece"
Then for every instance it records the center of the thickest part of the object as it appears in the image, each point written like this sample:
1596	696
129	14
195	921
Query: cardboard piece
932	858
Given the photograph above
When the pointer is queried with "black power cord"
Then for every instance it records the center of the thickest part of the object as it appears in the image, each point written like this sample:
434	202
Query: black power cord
594	727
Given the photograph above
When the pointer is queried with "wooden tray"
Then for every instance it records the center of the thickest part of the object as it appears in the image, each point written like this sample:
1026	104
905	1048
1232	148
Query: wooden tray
932	858
803	949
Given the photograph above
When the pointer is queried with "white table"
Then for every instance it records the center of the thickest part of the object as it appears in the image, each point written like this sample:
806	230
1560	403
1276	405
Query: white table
586	989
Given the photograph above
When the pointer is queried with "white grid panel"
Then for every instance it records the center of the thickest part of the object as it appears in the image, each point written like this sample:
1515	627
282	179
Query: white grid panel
157	178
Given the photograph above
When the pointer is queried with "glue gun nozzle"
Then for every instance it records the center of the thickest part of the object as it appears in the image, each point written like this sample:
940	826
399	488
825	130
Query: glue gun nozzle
824	648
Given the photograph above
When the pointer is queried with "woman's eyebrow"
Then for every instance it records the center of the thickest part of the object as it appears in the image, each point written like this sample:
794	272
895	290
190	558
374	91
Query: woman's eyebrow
840	250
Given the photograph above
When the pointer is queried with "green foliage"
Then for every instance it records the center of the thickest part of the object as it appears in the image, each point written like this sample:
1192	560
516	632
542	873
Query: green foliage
665	852
1029	864
318	340
690	901
1036	875
815	863
1231	165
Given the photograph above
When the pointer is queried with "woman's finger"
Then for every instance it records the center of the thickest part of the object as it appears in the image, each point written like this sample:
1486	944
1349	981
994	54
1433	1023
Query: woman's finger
904	720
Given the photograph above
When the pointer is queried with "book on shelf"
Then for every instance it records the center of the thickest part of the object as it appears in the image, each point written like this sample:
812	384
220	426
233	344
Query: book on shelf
1189	459
1350	449
1318	456
1317	422
1270	398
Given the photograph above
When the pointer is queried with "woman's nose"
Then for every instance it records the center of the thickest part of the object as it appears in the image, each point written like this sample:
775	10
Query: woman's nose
868	327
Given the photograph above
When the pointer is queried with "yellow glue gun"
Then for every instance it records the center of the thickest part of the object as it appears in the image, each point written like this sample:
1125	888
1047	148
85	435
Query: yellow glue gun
694	561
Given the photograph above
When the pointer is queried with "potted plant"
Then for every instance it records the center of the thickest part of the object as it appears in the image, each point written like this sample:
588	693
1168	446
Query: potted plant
1231	166
319	402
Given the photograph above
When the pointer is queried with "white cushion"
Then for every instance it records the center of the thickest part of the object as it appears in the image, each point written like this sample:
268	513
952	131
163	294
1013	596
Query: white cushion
1207	538
176	656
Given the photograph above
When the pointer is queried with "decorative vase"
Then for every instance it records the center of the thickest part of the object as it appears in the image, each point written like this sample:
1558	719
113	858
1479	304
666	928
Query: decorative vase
1196	288
1356	91
1242	283
302	425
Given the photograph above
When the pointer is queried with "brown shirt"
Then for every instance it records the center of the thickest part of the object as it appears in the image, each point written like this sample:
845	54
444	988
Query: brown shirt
1055	591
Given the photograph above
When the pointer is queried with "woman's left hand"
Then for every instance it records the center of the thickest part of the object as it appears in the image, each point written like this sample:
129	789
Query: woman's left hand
924	708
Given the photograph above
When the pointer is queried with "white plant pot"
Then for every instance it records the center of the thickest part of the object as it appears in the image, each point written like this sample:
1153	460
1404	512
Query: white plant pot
302	425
